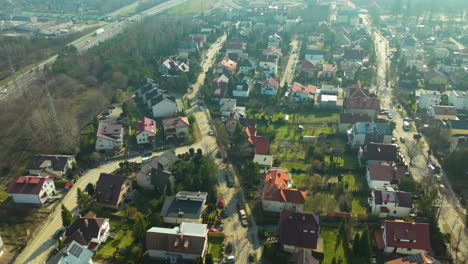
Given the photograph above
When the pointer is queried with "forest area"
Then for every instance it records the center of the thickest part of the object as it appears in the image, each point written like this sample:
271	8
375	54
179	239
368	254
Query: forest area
82	85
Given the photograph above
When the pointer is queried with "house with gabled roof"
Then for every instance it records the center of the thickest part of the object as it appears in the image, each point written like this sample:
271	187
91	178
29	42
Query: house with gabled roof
328	71
278	194
260	144
171	66
435	79
272	52
75	253
374	153
298	231
382	175
235	47
34	190
398	236
185	242
390	203
274	41
155	173
442	112
247	66
109	136
54	165
226	66
302	257
363	105
353	54
176	128
420	258
459	99
300	93
269	65
308	69
89	231
428	98
362	133
145	130
270	86
112	190
163	105
314	55
347	120
243	87
219	86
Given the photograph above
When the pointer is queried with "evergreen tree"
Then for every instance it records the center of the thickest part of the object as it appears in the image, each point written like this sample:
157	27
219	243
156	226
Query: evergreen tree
83	200
139	227
67	216
90	189
209	259
356	243
365	246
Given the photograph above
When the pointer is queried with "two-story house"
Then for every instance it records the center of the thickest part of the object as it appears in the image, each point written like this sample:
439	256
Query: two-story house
363	105
301	93
398	236
90	231
53	165
186	242
163	105
328	71
374	153
171	66
270	86
31	189
269	65
219	86
308	69
176	128
362	133
388	202
298	231
247	67
228	108
109	137
235	47
314	55
381	175
226	66
278	194
459	99
243	88
420	258
113	190
347	13
155	174
347	120
428	98
259	144
145	130
442	112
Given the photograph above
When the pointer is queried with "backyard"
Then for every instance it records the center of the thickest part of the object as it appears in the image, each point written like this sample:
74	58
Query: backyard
333	249
216	246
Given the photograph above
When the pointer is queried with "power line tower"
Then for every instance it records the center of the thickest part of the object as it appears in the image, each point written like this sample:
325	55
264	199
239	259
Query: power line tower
50	102
19	91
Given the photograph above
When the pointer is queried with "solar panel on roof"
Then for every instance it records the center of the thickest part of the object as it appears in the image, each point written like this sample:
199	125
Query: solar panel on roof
76	250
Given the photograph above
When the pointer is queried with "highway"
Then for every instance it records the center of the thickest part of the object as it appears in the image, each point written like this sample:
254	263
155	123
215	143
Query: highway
24	79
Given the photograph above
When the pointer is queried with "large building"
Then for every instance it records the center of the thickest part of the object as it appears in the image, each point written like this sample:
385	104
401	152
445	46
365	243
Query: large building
184	207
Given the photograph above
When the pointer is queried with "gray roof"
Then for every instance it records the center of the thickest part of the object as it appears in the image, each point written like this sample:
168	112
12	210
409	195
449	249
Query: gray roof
182	205
113	132
159	178
73	254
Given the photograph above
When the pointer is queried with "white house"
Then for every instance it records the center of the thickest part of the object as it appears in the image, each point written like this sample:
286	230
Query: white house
362	133
154	174
55	165
31	189
170	65
388	202
269	65
176	127
145	131
405	237
90	231
163	106
317	56
383	175
428	98
243	88
278	194
247	66
270	87
186	242
459	99
300	93
73	254
109	136
229	107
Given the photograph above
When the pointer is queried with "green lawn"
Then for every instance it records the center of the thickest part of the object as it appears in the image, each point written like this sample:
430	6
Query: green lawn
332	247
216	247
3	193
122	239
294	165
358	209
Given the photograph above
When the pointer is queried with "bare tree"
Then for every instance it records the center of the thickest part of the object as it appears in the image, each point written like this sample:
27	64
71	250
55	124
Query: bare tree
412	150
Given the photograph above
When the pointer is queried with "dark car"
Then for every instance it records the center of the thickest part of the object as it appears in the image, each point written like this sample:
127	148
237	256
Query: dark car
147	154
219	155
229	248
229	181
417	136
58	233
224	213
251	258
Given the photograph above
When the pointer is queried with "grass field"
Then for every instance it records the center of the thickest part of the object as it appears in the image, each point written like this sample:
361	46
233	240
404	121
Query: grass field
3	193
332	248
122	239
216	247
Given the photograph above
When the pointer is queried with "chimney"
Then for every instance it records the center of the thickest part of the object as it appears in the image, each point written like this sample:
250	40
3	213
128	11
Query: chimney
86	223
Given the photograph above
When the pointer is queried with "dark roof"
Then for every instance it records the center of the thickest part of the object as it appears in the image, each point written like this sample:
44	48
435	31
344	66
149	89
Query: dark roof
27	184
191	209
159	178
444	110
177	242
247	63
379	151
110	131
245	122
353	54
83	229
299	229
362	103
401	199
407	235
302	257
459	124
419	258
56	162
405	199
386	172
108	188
351	118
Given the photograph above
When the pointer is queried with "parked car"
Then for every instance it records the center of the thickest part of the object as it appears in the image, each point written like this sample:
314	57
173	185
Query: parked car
219	155
147	154
229	248
201	108
229	259
417	136
103	117
243	218
407	119
213	230
220	203
402	140
211	133
439	178
251	258
224	213
390	116
229	181
59	233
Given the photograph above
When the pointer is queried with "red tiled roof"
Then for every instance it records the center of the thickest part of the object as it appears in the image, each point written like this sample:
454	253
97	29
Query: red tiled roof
386	172
177	122
444	110
407	234
278	177
351	118
362	103
299	88
329	68
229	64
273	50
260	143
419	258
147	124
27	184
271	81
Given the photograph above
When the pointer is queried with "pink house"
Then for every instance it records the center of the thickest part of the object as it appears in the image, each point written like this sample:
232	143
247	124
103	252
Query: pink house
176	127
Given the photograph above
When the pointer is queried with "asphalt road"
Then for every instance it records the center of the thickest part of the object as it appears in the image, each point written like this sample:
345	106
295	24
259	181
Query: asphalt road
450	220
288	73
24	80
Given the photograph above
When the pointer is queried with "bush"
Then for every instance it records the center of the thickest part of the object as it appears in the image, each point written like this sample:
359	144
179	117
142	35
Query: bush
60	184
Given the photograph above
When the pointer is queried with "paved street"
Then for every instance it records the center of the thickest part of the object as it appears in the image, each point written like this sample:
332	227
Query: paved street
450	220
288	73
244	239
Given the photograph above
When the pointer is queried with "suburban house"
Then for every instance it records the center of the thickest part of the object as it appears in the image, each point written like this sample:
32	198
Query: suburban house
269	65
198	38
328	71
382	175
155	174
226	66
442	112
435	79
171	66
388	202
362	133
298	231
184	207
247	66
243	88
270	86
314	55
176	128
163	105
374	153
363	105
353	54
459	127
265	162
459	99
300	93
428	98
260	144
308	69
145	130
347	13
112	190
2	247
278	194
272	52
88	230
219	86
53	165
228	107
31	189
397	236
347	120
235	47
109	137
420	258
302	257
186	242
74	253
349	69
274	41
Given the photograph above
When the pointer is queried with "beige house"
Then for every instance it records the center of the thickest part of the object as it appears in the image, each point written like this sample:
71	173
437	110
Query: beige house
112	190
109	137
176	127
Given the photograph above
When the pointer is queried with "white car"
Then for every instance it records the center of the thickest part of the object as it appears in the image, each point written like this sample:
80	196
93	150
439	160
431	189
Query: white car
211	133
